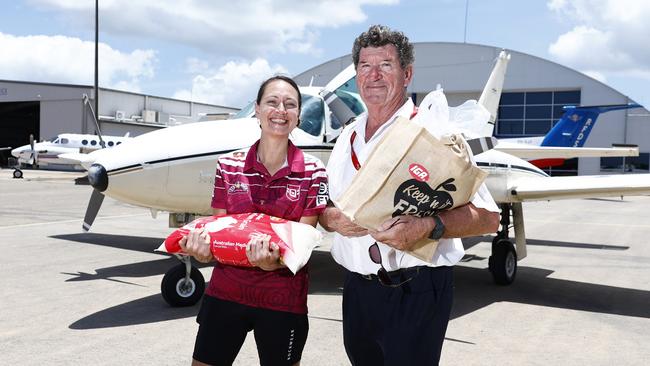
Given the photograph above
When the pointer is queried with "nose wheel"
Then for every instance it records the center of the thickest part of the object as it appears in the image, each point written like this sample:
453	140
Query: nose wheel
503	261
182	285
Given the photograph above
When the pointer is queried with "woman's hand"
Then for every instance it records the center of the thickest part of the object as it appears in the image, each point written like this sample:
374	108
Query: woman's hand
263	254
197	244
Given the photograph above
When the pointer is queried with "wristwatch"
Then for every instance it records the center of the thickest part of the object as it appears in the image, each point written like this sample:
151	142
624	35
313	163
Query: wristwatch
437	231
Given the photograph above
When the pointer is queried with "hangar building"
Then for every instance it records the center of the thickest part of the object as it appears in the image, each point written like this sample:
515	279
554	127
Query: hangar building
534	93
46	110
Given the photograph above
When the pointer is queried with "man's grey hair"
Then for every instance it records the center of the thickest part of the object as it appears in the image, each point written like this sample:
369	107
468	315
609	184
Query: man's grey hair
381	35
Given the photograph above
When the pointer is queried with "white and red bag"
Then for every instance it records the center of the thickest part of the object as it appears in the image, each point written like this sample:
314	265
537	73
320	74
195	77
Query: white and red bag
230	234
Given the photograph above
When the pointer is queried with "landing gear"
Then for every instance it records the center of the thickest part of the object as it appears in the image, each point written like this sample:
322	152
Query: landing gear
182	285
18	173
503	261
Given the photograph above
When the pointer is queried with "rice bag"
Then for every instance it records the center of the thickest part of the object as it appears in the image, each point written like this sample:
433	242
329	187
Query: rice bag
230	234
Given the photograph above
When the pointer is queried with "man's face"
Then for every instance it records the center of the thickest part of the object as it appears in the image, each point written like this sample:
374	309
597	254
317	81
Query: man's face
380	77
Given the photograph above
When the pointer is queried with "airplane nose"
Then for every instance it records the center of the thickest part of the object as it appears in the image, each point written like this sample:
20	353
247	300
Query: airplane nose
98	177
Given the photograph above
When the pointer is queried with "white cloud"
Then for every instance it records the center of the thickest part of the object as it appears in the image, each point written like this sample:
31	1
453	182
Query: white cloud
244	28
609	36
63	59
233	84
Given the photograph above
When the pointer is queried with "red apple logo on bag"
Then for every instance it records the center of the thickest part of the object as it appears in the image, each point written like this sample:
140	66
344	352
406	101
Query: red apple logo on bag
419	172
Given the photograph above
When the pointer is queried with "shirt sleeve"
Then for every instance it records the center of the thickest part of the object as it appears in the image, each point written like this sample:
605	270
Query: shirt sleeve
219	192
317	194
483	199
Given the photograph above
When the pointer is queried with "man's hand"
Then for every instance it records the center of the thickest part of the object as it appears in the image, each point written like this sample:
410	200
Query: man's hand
402	232
261	253
197	244
332	219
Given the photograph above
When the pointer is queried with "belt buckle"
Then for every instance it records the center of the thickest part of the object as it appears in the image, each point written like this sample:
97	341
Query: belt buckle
366	277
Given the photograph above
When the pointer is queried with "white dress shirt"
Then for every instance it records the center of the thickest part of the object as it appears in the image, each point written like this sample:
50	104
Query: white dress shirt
352	252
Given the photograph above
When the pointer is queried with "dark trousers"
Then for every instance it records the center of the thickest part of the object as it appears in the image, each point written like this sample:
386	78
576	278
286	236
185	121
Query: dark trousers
402	325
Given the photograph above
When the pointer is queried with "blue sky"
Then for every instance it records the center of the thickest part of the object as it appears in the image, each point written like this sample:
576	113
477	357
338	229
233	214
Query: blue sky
219	51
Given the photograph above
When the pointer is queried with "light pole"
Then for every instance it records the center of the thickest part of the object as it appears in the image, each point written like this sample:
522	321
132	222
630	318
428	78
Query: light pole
97	59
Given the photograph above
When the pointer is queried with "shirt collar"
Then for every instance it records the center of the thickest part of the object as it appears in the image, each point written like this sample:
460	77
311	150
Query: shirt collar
295	160
405	111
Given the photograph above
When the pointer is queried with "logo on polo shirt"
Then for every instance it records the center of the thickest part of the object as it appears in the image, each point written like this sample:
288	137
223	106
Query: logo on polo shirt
238	187
293	192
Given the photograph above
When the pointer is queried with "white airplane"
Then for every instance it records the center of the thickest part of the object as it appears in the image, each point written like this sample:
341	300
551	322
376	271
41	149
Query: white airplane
179	178
49	152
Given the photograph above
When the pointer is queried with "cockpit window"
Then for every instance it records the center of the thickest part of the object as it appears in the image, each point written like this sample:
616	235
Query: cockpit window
349	95
64	141
311	115
247	112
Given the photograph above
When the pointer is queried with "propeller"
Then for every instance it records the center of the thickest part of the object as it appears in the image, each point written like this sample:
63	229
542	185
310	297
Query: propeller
96	199
33	156
97	177
86	101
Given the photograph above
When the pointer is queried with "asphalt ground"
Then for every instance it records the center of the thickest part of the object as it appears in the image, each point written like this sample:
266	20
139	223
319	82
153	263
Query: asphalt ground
581	297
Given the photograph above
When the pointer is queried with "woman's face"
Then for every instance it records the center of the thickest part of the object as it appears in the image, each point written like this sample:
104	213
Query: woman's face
278	110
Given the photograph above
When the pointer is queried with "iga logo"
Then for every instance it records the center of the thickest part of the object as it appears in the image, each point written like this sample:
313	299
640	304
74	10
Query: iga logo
419	172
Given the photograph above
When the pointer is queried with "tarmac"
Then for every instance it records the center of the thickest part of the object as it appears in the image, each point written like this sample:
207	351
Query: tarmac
581	297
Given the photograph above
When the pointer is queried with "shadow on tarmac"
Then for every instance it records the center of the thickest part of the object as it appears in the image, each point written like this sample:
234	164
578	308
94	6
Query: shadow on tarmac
470	242
474	288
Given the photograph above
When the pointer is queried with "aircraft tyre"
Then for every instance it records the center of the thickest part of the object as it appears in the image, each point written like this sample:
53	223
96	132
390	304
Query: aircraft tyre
18	173
503	262
177	292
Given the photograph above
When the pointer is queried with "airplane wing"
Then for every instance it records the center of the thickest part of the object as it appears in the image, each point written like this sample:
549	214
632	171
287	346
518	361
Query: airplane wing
586	186
554	152
77	158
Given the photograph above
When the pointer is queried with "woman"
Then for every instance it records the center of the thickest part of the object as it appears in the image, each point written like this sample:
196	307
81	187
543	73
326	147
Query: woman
276	178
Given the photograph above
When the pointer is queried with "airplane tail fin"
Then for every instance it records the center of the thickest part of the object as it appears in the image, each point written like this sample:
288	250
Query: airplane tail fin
492	92
572	130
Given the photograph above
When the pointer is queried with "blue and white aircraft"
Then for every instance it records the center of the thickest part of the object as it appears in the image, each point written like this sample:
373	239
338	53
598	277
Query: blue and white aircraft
569	132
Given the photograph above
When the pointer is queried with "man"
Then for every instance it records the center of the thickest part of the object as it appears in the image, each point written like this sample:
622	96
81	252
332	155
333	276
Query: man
399	317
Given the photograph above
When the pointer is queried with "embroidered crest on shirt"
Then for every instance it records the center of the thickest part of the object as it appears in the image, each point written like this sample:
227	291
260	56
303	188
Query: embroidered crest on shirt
238	187
293	192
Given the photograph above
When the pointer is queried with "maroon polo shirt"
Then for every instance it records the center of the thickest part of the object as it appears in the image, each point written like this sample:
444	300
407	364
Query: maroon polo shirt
242	184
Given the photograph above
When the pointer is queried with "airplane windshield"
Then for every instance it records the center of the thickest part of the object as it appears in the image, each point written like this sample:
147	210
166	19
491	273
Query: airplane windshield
246	112
349	94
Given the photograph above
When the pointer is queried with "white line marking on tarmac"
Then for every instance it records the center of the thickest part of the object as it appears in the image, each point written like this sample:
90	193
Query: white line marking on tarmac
66	221
588	223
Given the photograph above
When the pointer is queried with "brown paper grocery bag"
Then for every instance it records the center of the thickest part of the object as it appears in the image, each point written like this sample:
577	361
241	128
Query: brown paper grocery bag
411	172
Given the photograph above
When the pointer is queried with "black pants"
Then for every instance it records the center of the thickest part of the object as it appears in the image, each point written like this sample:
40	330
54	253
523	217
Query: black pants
403	325
223	326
